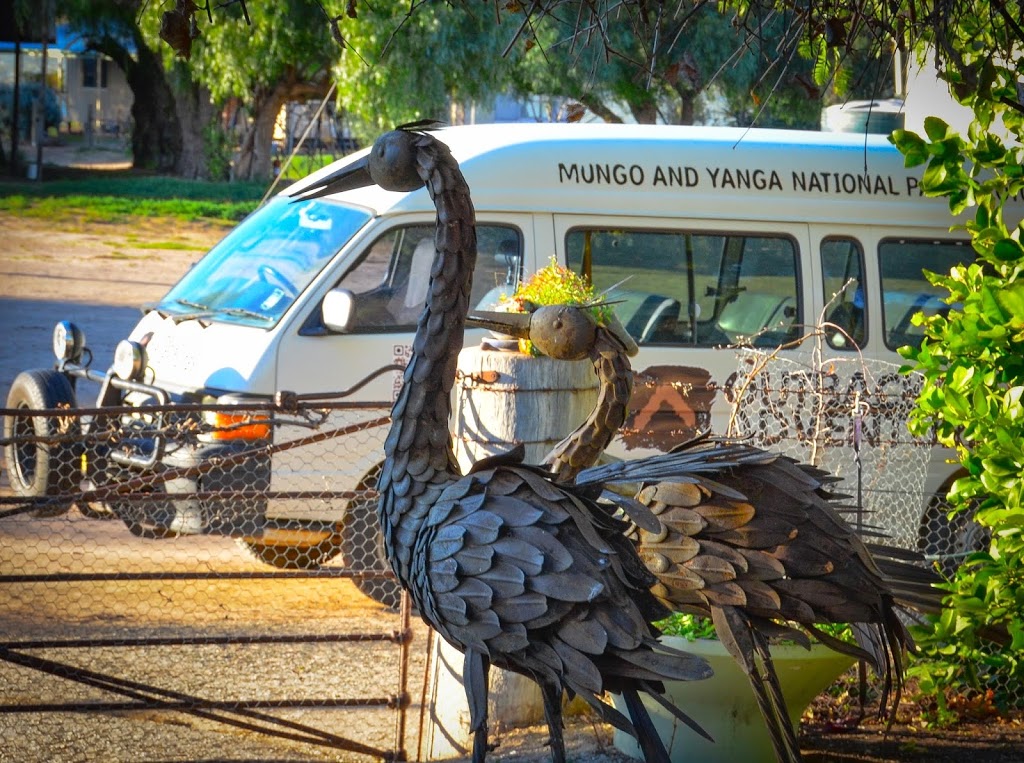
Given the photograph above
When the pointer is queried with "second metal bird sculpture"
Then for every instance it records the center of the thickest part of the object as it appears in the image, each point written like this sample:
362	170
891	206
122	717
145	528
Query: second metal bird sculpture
509	566
751	539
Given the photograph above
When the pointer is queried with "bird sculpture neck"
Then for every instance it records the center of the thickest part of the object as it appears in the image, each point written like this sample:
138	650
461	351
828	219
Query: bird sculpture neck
418	449
584	446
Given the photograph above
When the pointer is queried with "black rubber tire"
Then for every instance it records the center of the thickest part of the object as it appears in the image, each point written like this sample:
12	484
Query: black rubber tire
950	540
41	469
362	549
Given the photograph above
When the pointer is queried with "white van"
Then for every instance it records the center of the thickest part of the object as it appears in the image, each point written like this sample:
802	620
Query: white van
714	236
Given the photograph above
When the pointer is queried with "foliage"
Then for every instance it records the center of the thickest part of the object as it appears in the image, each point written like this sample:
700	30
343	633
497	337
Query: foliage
217	146
973	361
116	209
697	59
693	627
300	165
133	186
556	285
287	40
690	627
401	66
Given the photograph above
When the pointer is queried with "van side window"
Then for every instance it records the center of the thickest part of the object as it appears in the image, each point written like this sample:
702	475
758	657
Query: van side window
842	269
693	288
390	280
905	290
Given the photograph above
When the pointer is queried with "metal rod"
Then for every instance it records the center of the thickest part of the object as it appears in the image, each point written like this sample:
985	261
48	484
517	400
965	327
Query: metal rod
95	577
236	640
268	704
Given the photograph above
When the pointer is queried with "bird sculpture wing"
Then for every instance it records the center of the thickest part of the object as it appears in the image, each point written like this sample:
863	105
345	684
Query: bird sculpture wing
536	578
753	540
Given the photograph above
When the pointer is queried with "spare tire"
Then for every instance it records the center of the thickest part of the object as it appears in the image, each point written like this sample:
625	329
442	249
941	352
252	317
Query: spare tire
44	467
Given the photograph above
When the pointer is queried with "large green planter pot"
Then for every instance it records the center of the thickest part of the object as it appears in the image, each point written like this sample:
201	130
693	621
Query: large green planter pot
725	707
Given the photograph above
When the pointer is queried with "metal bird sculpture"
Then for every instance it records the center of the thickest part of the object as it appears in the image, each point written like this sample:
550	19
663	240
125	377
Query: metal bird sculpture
509	566
751	539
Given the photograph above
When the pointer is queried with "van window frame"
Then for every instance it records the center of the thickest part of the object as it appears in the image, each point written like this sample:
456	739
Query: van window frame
728	255
862	286
313	324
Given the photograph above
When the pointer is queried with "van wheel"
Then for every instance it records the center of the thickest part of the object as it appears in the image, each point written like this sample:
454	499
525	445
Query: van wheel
949	540
295	548
39	469
363	551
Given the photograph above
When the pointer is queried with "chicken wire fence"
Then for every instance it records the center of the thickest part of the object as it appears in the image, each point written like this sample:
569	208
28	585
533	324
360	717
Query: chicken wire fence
246	534
848	416
252	528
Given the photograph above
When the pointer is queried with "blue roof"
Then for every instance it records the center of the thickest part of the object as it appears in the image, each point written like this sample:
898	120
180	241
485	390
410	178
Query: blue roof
69	40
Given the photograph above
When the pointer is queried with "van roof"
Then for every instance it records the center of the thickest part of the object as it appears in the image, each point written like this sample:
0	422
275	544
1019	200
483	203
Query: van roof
679	172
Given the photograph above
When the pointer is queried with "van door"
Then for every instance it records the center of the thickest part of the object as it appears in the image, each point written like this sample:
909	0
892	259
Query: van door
688	291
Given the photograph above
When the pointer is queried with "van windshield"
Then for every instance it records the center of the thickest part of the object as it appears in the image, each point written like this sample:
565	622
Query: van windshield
259	269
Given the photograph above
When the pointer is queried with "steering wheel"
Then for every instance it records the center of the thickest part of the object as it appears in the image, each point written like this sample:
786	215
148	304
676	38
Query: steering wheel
272	276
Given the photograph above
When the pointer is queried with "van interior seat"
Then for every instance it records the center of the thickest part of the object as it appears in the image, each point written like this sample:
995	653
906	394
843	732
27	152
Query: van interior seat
647	317
406	304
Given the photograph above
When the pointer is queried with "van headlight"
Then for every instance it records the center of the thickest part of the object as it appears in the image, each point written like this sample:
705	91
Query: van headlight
129	360
68	341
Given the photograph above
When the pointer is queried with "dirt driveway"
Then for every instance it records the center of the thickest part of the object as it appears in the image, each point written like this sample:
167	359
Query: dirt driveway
98	275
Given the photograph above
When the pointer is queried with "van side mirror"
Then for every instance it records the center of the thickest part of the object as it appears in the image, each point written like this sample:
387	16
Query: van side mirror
338	310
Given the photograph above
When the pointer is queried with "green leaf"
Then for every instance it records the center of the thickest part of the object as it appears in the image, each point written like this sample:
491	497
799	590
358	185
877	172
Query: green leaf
934	177
1007	250
993	309
911	145
935	128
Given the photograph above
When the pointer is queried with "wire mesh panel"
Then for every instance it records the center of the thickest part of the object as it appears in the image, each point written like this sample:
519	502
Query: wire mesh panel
848	417
199	560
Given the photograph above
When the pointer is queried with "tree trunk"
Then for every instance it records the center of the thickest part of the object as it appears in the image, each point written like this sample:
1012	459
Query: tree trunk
687	110
195	112
645	113
255	157
156	131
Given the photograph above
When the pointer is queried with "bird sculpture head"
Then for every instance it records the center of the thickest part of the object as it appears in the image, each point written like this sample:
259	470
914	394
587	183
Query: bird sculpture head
562	332
390	163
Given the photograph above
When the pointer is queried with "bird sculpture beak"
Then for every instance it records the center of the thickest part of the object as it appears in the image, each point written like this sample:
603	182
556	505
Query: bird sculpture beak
516	325
354	175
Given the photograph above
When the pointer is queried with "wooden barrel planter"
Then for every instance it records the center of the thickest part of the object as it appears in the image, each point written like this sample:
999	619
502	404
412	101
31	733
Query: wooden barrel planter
506	398
501	399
